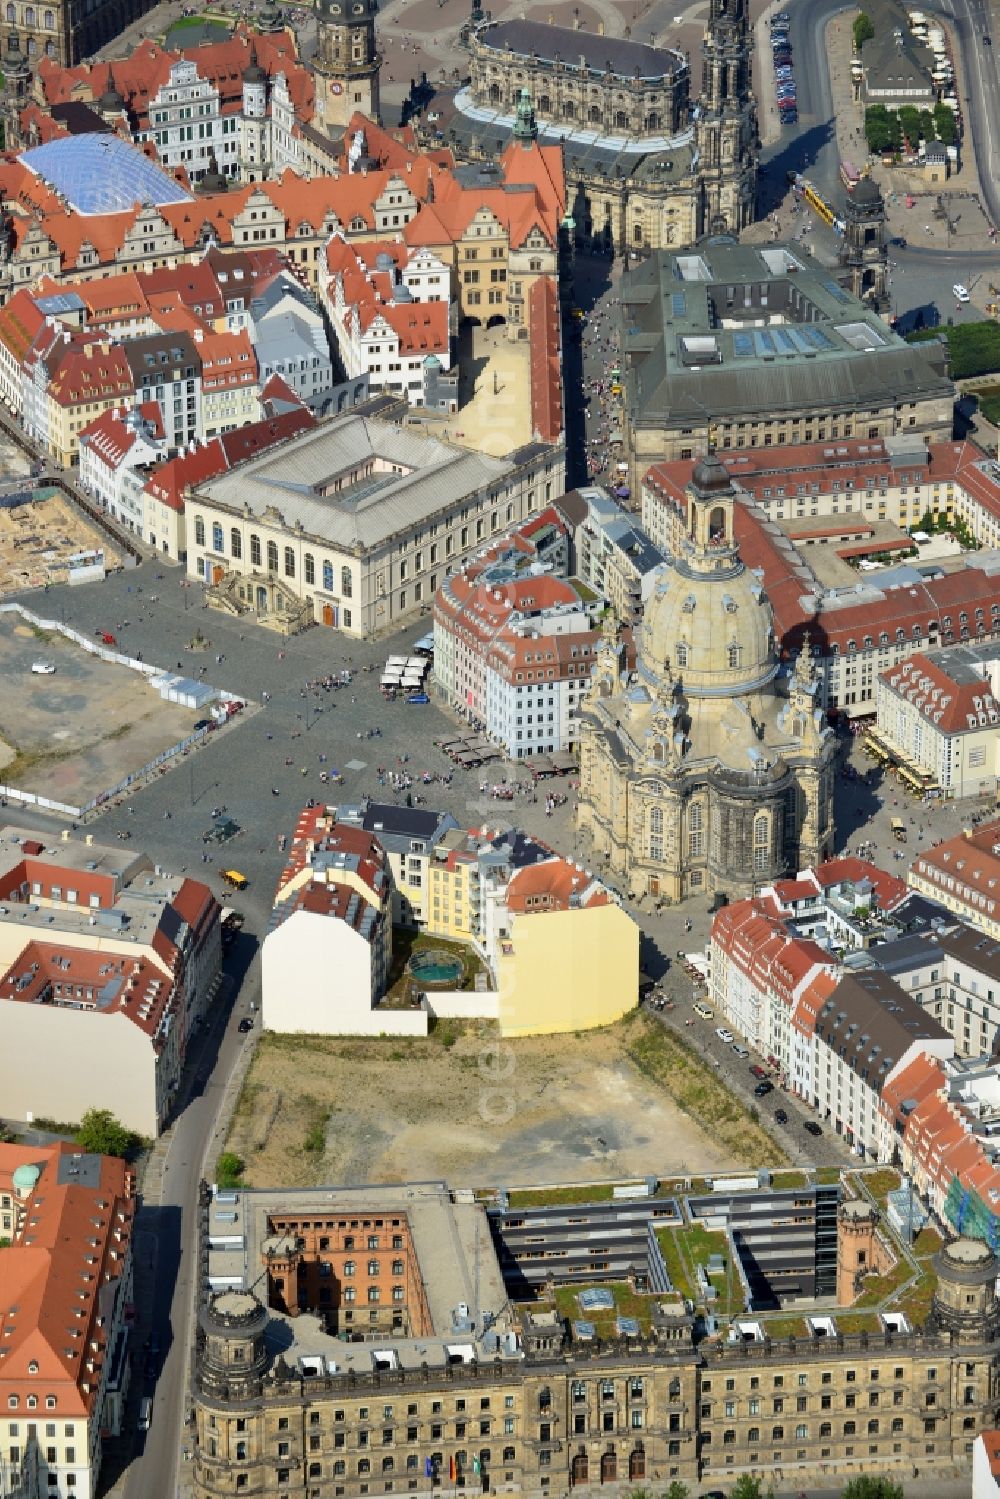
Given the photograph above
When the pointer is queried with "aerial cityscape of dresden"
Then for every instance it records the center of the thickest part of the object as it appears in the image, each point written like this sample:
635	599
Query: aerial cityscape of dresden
499	749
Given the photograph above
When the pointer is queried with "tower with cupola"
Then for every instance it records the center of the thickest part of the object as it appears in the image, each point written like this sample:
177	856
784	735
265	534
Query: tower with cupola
728	141
347	61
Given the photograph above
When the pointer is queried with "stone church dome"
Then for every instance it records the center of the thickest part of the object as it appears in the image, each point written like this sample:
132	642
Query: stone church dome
712	631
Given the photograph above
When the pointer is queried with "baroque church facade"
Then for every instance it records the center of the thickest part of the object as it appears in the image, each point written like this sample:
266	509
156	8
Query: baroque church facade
700	776
647	166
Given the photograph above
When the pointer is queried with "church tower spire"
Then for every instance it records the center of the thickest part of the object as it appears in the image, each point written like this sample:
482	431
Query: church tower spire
727	125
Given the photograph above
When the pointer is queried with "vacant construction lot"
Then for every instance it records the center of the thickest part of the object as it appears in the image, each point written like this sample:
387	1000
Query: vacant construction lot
37	540
624	1101
69	735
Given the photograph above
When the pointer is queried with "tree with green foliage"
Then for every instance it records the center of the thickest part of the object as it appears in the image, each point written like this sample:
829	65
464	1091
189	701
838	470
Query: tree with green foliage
909	124
229	1169
749	1486
863	29
944	124
974	348
866	1487
883	131
674	1490
100	1133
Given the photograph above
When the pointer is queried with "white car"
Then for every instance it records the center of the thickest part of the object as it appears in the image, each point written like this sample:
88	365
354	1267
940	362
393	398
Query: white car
43	668
725	1035
961	293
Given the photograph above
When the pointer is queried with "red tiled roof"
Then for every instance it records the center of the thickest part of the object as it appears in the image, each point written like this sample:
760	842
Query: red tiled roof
548	886
953	707
54	1277
966	867
91	979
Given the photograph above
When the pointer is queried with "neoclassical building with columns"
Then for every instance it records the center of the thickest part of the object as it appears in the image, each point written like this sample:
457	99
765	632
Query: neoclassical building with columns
701	774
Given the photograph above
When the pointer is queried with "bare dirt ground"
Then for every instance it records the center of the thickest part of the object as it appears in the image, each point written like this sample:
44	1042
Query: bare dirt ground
37	539
69	735
577	1108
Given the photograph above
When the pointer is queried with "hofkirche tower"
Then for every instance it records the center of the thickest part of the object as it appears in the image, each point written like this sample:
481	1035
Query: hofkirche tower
727	120
347	61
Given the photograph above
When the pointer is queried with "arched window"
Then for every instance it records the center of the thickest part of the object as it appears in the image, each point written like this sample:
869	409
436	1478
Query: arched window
569	110
29	16
545	105
346	582
508	1454
217	540
349	1267
621	120
595	114
683	653
236	543
637	234
696	830
753	1435
495	94
272	556
50	21
777	1433
364	1466
373	1267
656	832
199	531
733	654
717	522
339	1468
652	122
11	15
315	1470
309	567
387	1465
254	550
761	843
289	562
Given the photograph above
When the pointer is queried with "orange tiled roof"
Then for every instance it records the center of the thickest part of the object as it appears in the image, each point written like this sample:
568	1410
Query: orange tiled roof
548	886
71	1247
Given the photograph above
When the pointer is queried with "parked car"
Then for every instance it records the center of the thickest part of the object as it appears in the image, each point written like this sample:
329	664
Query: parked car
246	1024
960	292
780	1117
703	1011
763	1088
418	697
741	1051
758	1070
812	1128
43	668
725	1035
205	723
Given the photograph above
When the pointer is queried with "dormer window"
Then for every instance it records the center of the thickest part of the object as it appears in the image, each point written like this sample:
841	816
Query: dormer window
33	1367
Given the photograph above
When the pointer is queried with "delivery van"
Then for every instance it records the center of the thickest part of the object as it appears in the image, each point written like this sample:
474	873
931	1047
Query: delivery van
234	879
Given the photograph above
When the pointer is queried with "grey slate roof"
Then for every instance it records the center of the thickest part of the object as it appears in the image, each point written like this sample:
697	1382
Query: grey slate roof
581	49
871	1023
360	518
830	349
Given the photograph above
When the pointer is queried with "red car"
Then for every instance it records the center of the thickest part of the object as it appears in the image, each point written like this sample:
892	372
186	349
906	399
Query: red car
758	1071
105	637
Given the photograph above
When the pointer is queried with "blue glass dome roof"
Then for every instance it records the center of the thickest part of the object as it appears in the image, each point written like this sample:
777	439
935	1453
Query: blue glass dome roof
102	174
